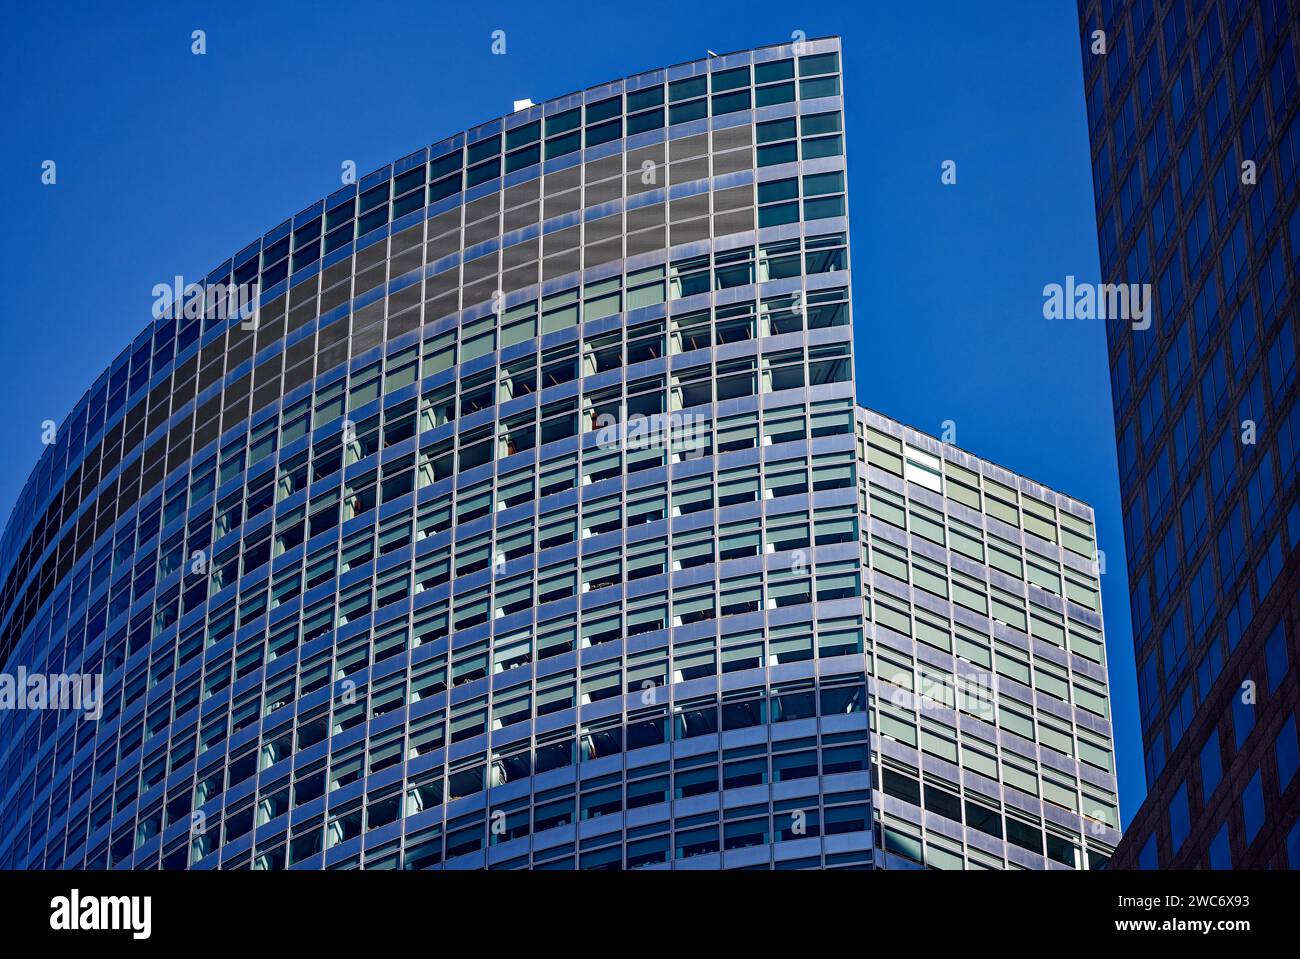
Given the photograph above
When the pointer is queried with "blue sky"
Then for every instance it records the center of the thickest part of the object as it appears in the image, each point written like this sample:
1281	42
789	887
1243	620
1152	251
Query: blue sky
167	163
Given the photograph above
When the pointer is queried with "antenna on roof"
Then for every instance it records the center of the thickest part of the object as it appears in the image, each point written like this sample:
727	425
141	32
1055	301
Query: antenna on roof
710	53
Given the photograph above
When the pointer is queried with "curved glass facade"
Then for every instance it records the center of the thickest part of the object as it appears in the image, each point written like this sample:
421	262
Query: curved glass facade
528	522
511	529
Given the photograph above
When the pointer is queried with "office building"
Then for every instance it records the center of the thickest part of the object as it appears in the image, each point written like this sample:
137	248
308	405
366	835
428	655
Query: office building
1196	156
519	527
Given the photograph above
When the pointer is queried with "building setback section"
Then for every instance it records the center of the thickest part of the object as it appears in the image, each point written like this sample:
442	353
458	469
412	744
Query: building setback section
991	736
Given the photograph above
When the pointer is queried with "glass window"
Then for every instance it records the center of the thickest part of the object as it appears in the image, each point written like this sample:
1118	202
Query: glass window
1275	655
1211	766
1243	711
1220	853
1179	819
1252	807
1147	857
1288	754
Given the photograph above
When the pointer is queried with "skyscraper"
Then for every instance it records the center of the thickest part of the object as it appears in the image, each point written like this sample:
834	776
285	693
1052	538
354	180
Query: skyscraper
1196	156
523	525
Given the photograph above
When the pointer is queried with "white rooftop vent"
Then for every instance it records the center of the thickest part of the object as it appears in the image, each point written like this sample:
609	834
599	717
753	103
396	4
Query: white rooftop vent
522	105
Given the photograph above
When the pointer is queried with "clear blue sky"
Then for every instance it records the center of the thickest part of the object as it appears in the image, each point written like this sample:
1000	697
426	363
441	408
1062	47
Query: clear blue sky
170	162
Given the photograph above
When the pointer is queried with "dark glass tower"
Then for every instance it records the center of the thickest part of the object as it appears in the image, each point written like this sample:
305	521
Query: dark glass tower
1196	156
